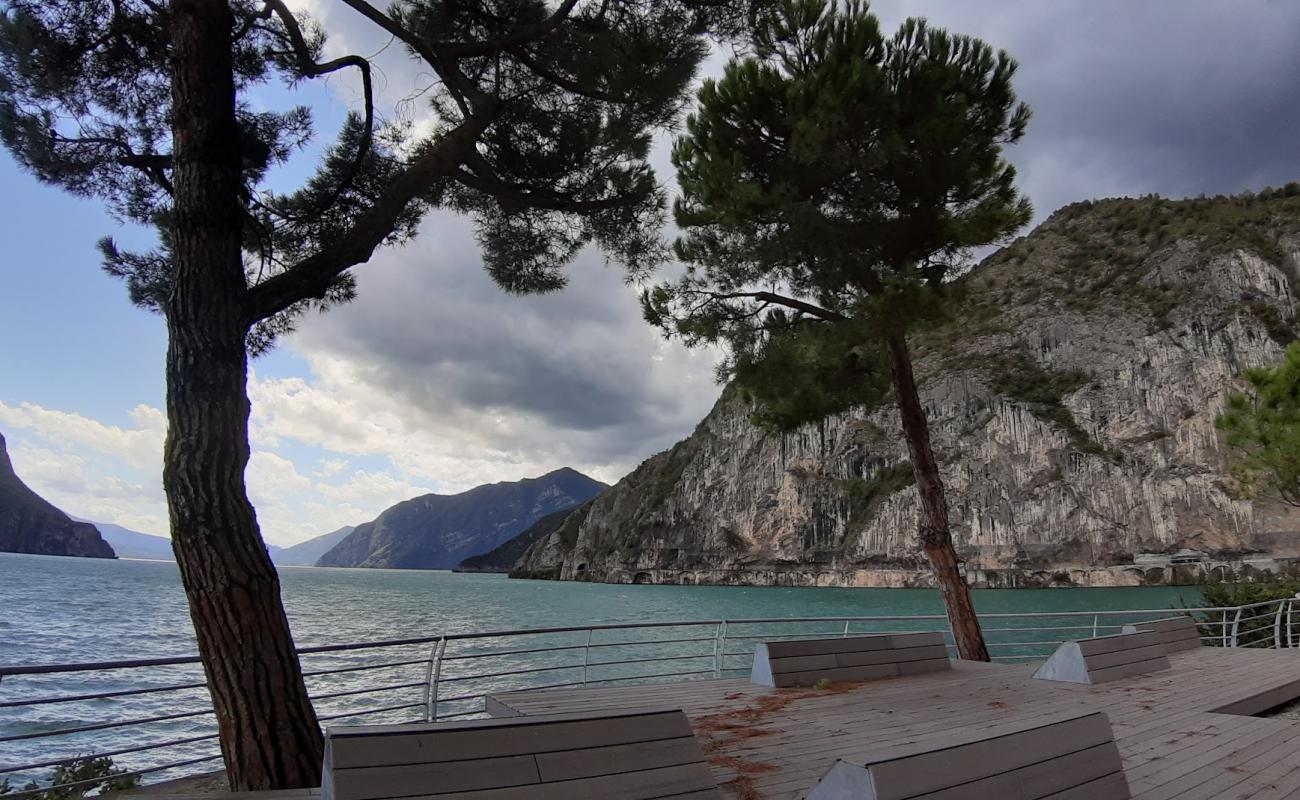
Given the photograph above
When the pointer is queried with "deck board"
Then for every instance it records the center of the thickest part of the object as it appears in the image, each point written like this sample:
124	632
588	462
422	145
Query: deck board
776	743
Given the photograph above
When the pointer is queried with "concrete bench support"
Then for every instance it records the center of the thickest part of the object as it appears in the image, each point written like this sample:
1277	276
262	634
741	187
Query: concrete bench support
1176	633
1062	757
850	658
1105	658
630	755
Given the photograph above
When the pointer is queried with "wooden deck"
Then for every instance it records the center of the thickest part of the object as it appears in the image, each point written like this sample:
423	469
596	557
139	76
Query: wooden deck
1182	733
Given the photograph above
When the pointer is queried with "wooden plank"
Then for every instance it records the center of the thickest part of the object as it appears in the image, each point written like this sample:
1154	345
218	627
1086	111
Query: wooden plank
1043	779
964	758
591	762
808	663
1258	703
922	639
1158	664
511	736
846	674
650	784
1118	641
1111	787
1117	657
819	647
902	655
411	780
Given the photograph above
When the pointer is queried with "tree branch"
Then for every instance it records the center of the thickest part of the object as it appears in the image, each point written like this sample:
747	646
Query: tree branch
789	302
480	177
313	276
151	164
520	36
538	69
450	73
309	67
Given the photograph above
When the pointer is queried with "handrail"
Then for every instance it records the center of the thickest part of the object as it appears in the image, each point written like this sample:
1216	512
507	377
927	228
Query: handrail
89	666
342	688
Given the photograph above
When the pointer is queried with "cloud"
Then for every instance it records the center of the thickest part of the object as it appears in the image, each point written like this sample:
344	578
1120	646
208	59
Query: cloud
435	380
1176	97
139	446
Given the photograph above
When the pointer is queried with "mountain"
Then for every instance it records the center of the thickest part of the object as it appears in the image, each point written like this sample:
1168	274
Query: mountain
1071	399
29	524
306	554
504	557
133	544
439	531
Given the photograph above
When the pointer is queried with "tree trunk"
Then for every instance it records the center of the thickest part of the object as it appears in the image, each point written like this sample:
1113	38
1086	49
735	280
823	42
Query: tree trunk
936	538
270	738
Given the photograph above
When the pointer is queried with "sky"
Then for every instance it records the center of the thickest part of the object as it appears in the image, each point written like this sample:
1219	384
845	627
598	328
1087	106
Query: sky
434	380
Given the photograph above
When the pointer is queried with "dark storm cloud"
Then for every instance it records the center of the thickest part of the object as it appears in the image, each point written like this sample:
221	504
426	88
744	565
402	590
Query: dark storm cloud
1178	97
431	327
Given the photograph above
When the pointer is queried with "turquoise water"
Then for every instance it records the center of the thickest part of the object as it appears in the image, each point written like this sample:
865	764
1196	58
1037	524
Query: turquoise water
62	610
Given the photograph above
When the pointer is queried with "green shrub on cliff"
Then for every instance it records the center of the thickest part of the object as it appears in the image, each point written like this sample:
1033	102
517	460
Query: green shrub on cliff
1263	425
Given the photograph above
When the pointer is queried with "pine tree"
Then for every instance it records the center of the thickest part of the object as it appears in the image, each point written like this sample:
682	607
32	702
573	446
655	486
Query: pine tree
831	183
1263	425
543	114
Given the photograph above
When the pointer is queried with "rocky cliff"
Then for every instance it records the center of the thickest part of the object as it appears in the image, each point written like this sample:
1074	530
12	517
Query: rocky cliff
504	557
29	524
439	531
1072	402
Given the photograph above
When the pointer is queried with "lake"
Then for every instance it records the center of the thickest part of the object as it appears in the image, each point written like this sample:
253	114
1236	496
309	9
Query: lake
60	610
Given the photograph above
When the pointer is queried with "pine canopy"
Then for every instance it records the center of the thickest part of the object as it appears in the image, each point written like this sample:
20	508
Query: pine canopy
837	174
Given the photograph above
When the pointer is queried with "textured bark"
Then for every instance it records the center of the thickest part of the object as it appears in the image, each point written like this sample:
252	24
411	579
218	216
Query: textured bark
270	738
936	535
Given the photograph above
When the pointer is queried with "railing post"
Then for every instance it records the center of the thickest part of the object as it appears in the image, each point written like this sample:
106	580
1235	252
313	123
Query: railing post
719	648
1277	626
1290	623
586	653
1094	625
437	676
428	682
845	635
1236	627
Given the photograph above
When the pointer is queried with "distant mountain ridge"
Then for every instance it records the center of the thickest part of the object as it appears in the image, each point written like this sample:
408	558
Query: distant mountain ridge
134	544
306	554
439	531
31	524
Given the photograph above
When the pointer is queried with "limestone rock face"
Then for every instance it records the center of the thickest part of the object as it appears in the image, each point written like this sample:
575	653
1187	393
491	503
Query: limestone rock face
30	524
1071	402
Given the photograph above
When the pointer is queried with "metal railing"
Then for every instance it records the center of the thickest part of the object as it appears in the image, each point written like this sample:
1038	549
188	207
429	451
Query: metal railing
153	716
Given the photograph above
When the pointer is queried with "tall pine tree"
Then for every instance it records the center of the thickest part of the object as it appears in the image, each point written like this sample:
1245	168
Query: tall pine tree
542	116
830	184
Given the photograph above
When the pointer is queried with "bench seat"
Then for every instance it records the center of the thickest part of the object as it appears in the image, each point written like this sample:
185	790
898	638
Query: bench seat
1105	658
1176	633
1064	756
627	754
849	658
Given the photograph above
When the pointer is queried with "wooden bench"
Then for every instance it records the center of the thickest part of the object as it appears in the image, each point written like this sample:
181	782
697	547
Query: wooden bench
850	658
632	754
1176	633
1105	658
1068	756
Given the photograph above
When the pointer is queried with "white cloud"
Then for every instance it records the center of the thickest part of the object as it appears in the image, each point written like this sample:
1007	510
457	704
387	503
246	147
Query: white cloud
140	446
